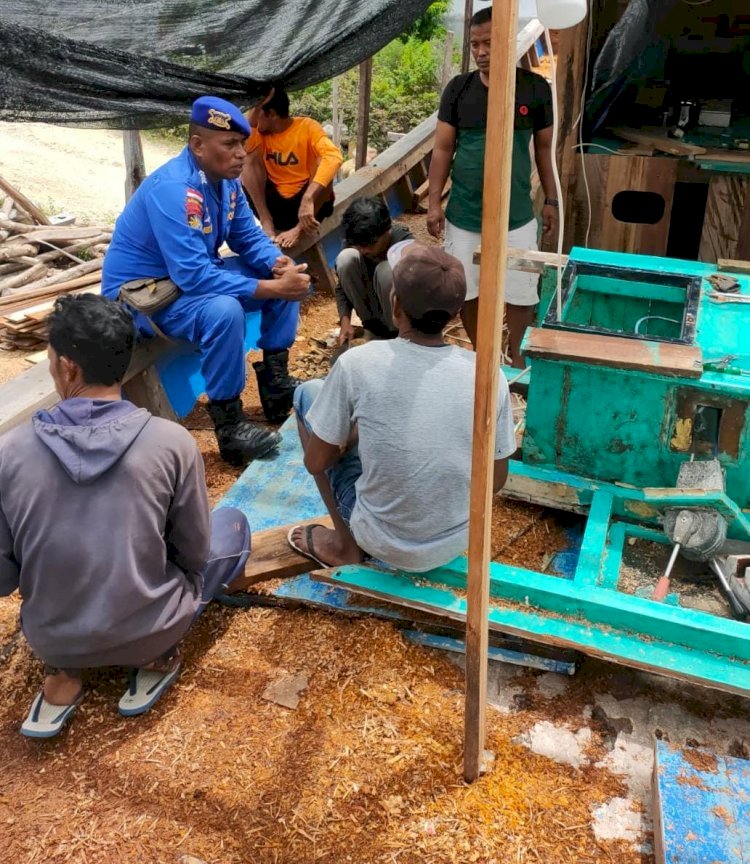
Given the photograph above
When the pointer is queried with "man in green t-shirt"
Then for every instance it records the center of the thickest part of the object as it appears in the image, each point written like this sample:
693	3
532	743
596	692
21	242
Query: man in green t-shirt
459	151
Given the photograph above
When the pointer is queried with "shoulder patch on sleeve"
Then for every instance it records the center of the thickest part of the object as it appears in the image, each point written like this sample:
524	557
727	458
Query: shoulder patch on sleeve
194	207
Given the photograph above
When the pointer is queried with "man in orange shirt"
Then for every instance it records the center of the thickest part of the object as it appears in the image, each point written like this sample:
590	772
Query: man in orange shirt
289	175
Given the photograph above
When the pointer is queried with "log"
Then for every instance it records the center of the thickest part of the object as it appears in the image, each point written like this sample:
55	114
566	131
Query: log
74	272
23	278
17	250
60	235
24	202
103	238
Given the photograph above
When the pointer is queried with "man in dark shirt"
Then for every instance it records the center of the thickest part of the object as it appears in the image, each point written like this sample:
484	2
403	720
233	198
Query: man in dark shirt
459	151
365	276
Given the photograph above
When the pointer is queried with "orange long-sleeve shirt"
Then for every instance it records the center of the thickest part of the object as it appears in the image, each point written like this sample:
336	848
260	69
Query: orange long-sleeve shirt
296	156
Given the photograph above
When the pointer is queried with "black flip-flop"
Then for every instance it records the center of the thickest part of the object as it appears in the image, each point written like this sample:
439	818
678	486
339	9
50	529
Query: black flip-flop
308	539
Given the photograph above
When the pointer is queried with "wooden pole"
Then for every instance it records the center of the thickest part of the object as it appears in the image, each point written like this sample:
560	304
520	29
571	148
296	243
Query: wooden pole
135	167
447	71
335	120
466	50
495	215
363	112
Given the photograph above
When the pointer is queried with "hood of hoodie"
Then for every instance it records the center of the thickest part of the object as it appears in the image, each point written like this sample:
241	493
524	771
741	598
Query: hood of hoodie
88	436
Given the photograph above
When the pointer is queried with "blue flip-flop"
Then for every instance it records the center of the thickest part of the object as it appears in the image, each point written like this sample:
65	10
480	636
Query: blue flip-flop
145	689
45	720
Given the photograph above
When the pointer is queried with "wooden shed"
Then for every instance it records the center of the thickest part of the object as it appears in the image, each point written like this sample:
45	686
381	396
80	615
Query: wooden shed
659	162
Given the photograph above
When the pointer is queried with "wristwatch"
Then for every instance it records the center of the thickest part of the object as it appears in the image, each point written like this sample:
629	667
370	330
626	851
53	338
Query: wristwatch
551	202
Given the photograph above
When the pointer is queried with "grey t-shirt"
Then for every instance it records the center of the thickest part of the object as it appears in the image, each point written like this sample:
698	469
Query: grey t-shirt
413	407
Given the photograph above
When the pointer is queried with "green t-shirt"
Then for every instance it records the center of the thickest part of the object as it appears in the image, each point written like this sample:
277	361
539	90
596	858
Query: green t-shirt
464	106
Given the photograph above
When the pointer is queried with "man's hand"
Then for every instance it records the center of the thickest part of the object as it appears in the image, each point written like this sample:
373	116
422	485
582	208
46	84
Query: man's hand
436	221
307	221
550	220
292	284
283	263
346	333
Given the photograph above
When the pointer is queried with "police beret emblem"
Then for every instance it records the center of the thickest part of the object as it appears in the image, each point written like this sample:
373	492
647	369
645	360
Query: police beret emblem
219	118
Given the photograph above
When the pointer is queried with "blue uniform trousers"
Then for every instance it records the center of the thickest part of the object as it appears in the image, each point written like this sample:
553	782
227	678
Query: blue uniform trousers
216	324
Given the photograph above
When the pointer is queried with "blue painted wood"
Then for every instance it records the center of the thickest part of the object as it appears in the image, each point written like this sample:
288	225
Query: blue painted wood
279	491
701	816
180	372
591	559
601	640
504	655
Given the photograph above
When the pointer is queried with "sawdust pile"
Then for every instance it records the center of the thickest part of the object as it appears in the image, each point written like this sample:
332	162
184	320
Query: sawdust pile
367	769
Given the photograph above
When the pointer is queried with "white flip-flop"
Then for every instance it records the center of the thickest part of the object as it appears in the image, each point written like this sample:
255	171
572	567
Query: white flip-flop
146	688
45	720
308	529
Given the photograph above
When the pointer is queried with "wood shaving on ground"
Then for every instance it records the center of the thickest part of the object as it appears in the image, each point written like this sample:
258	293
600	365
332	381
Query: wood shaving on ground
366	770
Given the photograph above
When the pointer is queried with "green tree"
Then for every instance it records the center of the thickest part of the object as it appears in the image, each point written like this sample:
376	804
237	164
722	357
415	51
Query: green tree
430	25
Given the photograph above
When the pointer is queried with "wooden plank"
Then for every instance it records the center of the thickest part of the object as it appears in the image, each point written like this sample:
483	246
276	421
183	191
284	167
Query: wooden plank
729	265
33	389
723	221
363	112
146	391
24	202
528	260
659	140
319	268
495	209
701	806
602	641
14	302
273	558
661	358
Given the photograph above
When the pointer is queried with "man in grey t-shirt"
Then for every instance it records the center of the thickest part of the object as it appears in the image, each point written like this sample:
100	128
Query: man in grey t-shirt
388	435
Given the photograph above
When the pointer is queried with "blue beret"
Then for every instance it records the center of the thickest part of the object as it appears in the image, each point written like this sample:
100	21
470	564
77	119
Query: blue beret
214	113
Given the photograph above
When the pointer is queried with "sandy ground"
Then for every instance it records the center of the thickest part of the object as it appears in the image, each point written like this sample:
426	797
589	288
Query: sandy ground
80	171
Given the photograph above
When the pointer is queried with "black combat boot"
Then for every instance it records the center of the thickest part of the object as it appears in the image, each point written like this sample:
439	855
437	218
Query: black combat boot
275	385
239	440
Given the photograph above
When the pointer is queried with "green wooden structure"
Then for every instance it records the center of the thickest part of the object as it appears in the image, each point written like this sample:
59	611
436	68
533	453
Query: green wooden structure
619	398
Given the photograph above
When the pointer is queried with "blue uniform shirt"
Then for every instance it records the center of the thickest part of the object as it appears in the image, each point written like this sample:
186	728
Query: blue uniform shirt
175	225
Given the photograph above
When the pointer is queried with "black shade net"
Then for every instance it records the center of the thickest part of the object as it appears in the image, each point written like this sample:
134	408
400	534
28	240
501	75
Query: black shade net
135	64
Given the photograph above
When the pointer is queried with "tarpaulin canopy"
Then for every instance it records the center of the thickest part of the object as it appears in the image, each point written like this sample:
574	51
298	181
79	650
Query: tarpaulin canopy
139	63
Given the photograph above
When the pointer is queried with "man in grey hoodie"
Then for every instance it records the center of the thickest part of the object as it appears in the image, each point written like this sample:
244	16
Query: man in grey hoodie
105	526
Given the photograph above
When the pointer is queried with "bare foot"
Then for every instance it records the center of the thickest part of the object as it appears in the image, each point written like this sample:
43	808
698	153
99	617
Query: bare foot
287	239
61	688
164	664
327	546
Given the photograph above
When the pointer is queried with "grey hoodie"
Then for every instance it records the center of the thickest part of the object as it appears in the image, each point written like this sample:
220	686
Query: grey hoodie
104	528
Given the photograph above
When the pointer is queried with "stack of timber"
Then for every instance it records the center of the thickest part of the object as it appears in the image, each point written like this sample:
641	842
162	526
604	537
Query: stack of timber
38	262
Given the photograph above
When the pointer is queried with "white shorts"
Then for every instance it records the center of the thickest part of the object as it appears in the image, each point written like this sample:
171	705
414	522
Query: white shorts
520	288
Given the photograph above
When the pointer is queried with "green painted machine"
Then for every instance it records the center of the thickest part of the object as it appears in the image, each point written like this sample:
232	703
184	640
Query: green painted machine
637	415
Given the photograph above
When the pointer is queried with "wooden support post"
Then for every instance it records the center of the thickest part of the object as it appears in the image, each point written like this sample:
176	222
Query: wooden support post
466	50
135	167
571	71
495	214
447	70
363	112
335	119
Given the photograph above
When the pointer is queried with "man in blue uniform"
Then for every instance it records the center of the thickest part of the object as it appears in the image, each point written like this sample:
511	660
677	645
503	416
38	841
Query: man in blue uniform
174	226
